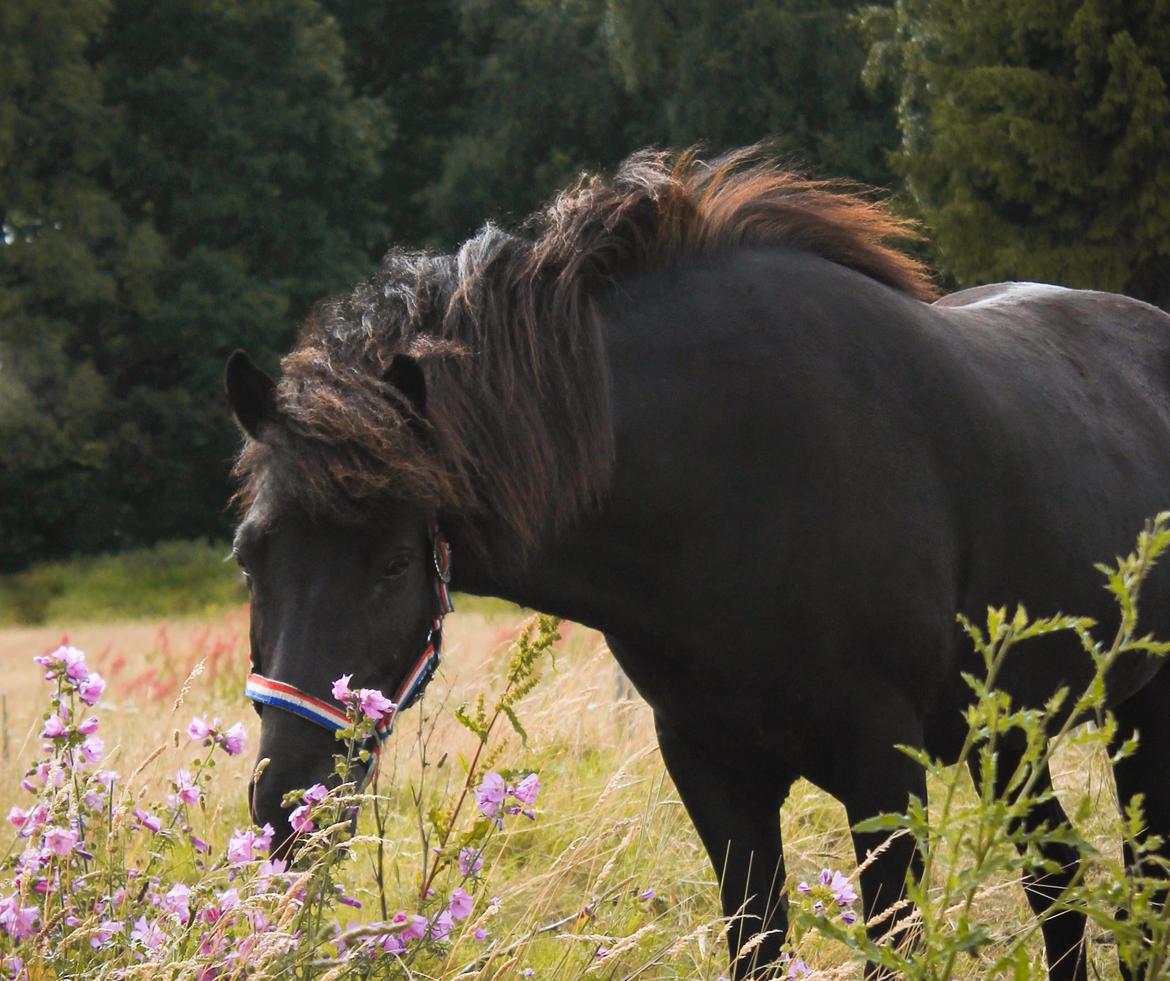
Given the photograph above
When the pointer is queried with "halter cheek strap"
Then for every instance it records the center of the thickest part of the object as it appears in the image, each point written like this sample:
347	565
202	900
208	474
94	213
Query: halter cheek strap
281	695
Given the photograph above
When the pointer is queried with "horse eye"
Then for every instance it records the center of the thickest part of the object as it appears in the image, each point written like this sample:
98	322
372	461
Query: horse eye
244	571
395	567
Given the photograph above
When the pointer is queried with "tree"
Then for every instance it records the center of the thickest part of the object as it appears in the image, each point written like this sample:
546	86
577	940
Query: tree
542	102
728	72
410	57
192	179
1036	136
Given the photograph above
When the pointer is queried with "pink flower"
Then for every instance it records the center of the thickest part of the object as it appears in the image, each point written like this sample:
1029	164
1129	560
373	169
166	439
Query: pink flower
374	704
842	889
106	929
442	926
480	934
470	861
50	774
106	777
489	795
52	659
148	820
525	792
88	726
648	895
186	789
527	789
341	689
264	839
17	921
316	793
461	904
90	689
55	727
392	943
74	661
35	818
240	847
227	901
60	841
415	928
177	901
147	933
300	820
244	844
233	739
198	730
17	817
272	866
92	749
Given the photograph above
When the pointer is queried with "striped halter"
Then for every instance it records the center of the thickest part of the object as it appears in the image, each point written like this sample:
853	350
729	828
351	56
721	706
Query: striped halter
280	694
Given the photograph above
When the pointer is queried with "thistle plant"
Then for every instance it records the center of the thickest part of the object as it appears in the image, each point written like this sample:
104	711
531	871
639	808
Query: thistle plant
969	845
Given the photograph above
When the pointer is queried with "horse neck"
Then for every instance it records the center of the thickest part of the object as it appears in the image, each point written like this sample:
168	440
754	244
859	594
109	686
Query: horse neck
587	576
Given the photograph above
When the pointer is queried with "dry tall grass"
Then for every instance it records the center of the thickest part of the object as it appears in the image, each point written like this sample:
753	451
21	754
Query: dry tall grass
610	824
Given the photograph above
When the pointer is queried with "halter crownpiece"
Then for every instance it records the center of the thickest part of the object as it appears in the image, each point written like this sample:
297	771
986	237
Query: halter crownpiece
281	695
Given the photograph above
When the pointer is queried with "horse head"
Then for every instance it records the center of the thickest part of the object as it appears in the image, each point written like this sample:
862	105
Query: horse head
330	596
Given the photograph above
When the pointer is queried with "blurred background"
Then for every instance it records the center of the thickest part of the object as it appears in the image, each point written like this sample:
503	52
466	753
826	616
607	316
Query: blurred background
179	178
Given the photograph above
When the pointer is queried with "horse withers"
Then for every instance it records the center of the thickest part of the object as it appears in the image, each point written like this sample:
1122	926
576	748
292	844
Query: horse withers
709	411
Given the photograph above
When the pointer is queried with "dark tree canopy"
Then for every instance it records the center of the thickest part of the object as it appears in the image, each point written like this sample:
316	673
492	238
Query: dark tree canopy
179	178
1036	137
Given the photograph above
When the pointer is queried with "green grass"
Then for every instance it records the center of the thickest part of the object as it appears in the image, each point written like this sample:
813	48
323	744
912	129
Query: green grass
172	579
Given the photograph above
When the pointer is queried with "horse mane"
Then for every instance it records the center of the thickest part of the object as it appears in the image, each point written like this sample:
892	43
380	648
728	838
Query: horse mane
517	428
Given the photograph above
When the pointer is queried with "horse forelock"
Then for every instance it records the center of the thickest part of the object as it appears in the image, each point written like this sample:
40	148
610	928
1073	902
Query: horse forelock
517	426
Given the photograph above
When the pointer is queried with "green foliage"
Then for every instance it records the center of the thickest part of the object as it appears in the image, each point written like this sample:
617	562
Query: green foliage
1036	136
173	579
727	73
967	846
176	179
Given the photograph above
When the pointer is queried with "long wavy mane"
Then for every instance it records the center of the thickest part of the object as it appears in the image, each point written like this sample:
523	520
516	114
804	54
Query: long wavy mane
517	428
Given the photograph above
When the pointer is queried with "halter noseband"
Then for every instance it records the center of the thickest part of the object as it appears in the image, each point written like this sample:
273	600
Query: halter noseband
282	695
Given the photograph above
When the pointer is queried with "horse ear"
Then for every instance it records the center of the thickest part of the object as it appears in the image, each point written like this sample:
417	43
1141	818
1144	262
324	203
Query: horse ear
251	393
405	374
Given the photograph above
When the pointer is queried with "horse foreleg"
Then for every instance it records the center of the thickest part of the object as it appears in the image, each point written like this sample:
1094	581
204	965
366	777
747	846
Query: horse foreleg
735	806
875	778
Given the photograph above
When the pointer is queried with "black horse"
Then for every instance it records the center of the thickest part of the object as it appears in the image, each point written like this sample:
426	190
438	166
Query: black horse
706	410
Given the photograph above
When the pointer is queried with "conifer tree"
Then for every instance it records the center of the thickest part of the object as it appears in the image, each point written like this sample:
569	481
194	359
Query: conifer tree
1036	136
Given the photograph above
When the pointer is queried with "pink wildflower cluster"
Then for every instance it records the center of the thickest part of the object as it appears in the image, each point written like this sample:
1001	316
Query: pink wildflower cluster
369	701
213	732
410	928
66	860
832	889
301	817
491	797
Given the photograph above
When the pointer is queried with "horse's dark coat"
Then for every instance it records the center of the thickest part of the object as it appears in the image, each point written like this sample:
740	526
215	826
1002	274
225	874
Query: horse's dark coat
811	473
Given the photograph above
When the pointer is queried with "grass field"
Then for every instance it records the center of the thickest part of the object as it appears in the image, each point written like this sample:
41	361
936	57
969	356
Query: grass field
609	828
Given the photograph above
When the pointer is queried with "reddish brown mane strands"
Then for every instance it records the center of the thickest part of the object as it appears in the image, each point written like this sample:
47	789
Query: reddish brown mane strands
517	426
